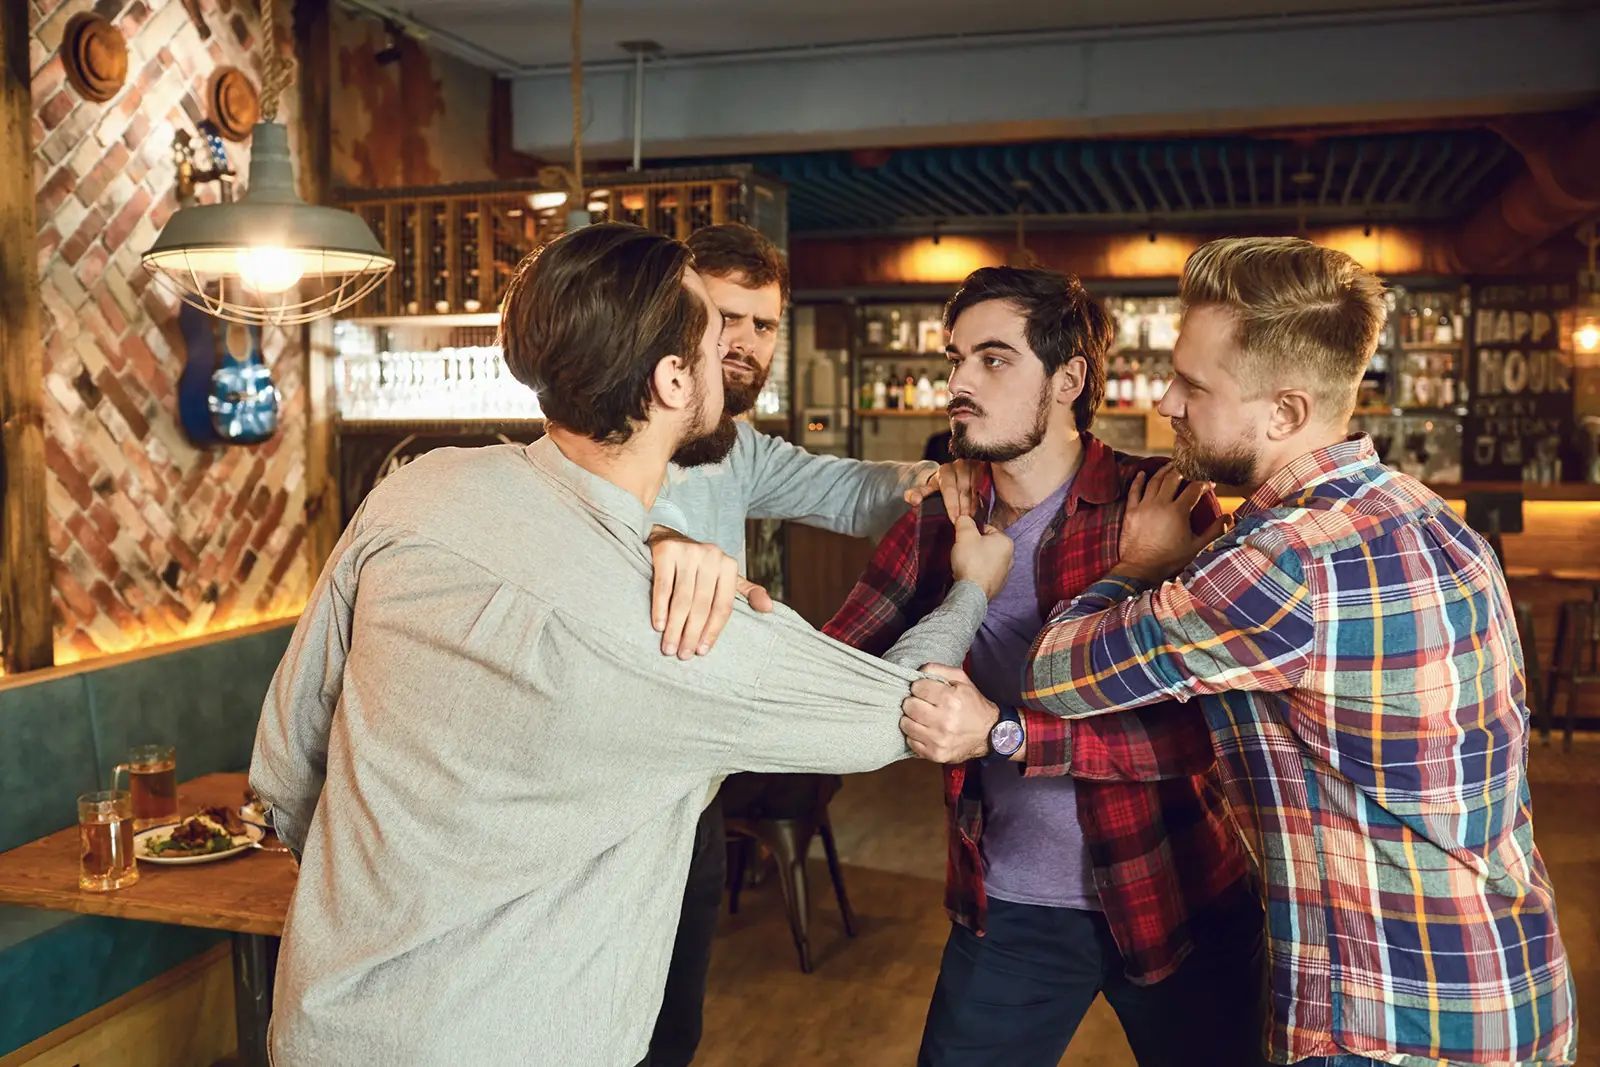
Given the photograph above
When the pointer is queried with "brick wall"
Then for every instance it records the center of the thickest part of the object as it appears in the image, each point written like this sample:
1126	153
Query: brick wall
151	539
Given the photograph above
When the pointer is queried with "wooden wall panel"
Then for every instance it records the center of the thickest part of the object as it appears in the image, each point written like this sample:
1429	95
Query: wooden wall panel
25	577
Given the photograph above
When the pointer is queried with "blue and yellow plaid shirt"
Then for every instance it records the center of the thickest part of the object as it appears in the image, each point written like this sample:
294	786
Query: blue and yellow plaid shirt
1353	647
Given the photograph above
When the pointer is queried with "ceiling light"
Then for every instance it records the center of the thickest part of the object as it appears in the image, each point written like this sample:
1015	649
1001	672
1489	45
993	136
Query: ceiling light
268	257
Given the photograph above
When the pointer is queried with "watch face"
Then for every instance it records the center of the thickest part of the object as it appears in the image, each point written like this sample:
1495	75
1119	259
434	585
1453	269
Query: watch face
1006	737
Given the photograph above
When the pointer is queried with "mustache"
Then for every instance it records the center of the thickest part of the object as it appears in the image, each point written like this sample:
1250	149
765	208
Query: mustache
743	361
957	406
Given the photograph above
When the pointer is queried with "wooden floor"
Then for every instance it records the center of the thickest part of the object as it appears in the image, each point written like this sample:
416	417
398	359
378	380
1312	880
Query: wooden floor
864	1004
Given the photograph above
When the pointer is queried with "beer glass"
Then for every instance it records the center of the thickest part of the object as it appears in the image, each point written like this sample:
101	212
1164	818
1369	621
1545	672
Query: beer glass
105	840
152	772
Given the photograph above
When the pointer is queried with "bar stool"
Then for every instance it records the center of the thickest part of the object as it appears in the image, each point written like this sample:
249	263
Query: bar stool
1575	661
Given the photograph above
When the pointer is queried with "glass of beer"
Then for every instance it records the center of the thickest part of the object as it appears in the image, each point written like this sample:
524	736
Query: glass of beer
152	772
105	840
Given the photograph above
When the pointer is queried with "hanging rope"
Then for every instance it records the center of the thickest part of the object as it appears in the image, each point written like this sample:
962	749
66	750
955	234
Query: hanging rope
276	71
577	101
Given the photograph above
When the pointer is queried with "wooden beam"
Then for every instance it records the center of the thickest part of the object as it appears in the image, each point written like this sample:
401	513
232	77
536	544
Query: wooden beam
313	52
25	565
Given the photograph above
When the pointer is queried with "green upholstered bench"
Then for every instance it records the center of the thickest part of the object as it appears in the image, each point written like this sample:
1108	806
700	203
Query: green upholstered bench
60	734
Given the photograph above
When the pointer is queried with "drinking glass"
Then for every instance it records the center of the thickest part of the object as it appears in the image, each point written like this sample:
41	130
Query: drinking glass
152	772
105	840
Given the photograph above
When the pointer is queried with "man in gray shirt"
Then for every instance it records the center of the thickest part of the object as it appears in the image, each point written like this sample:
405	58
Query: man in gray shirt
708	505
490	771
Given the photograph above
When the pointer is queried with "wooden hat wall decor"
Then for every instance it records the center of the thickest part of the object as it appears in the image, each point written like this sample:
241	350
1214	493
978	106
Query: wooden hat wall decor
95	55
232	103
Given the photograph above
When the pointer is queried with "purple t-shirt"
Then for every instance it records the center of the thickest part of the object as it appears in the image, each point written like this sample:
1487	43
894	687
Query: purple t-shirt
1033	847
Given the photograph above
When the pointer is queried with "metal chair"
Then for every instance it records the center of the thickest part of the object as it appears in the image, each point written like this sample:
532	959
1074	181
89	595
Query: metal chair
784	812
1575	662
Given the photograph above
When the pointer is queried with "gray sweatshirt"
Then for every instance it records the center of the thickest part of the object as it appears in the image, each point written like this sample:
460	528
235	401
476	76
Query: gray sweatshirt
494	775
766	477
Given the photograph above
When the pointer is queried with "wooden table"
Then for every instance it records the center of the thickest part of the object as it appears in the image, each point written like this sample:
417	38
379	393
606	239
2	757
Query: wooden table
246	895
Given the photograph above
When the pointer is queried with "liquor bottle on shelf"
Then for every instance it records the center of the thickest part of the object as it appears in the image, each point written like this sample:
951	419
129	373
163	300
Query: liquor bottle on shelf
866	400
1413	328
875	332
1141	388
897	331
891	385
924	393
1370	394
941	393
880	392
908	392
1163	331
1444	330
1128	323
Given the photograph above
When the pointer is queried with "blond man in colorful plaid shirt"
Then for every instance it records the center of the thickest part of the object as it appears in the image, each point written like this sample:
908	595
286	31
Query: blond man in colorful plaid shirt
1353	649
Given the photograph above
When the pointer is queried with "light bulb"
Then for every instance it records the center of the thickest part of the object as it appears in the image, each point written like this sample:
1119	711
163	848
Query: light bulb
547	201
269	270
1586	338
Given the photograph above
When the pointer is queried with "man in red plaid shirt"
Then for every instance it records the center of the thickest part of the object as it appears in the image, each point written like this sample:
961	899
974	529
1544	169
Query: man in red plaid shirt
1098	857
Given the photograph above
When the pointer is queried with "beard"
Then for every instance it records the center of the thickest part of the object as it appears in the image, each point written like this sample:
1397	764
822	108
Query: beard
962	446
706	447
1233	464
740	397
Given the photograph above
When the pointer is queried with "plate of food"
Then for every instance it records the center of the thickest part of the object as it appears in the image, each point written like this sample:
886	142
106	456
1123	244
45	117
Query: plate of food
209	834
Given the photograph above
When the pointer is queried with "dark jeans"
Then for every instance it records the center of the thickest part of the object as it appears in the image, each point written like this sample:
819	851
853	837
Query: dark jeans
678	1025
1015	997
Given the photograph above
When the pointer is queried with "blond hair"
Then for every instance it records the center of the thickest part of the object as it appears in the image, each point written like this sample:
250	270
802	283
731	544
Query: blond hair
1304	315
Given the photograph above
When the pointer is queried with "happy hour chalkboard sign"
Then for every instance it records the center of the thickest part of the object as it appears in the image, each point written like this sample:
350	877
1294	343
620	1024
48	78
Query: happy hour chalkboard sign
1519	382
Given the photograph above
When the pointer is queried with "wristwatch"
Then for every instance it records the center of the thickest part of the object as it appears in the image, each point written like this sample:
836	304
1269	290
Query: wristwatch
1006	735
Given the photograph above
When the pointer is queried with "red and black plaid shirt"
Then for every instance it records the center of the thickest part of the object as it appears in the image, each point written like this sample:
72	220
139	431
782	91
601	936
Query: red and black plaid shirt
1159	837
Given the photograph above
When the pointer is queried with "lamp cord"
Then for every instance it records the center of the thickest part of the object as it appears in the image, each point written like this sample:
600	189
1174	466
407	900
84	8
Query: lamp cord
577	100
277	71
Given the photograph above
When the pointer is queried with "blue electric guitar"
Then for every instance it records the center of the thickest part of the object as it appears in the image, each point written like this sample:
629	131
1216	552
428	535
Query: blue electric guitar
226	394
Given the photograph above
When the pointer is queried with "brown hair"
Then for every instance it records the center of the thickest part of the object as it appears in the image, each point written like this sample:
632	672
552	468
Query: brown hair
587	318
1301	311
734	248
1063	322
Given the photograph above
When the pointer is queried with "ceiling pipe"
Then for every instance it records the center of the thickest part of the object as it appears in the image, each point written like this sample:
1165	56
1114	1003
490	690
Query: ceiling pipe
1426	11
1558	188
641	50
